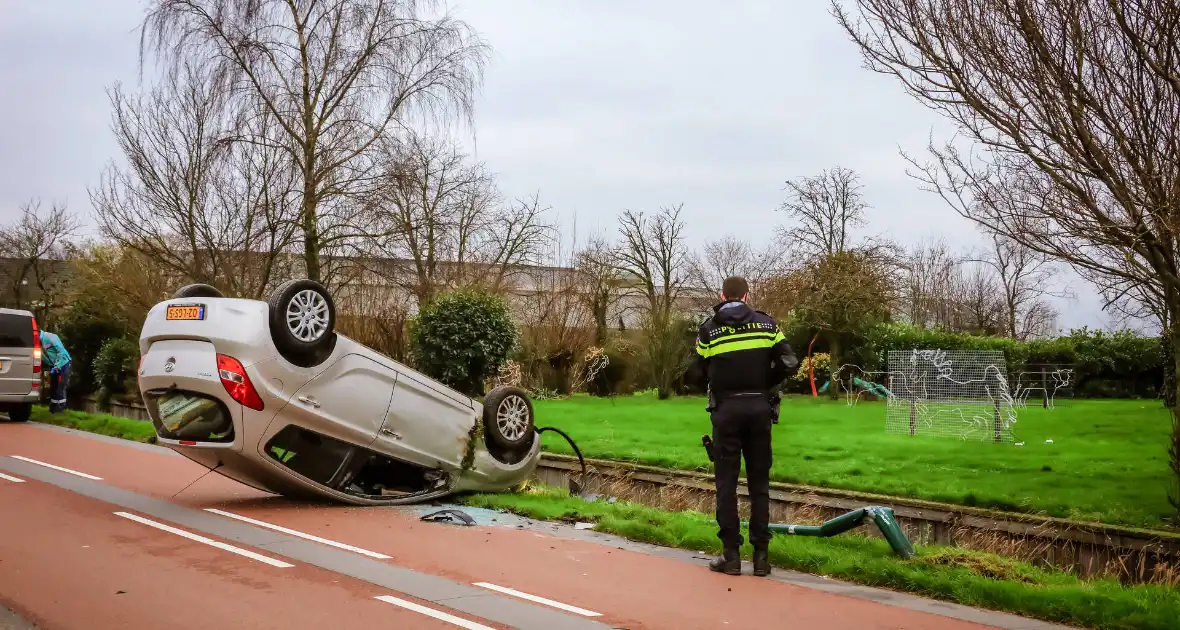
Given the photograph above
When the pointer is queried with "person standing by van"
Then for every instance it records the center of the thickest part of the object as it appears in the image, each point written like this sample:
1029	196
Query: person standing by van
58	359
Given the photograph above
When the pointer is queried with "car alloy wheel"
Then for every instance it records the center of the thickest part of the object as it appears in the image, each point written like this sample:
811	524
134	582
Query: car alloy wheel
307	315
512	417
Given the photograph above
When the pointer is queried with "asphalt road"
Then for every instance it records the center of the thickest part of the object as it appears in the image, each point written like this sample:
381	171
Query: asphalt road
99	534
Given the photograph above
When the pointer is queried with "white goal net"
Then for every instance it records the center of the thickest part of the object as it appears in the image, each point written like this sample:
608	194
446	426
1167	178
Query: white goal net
961	394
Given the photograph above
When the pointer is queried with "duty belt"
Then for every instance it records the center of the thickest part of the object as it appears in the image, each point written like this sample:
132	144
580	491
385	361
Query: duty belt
743	394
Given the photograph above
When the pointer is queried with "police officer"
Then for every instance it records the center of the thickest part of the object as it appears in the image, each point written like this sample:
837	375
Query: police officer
744	357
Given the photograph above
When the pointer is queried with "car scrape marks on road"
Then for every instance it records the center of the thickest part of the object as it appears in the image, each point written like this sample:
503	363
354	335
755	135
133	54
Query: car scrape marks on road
539	600
11	478
59	468
292	532
430	612
208	541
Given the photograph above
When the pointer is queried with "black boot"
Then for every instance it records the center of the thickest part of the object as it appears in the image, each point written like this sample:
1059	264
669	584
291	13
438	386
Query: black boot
730	563
761	562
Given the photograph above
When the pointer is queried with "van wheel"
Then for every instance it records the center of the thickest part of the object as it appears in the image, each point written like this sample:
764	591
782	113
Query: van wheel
508	420
303	322
20	413
197	291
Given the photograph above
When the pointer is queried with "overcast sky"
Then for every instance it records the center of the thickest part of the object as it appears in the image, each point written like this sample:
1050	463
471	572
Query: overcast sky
598	105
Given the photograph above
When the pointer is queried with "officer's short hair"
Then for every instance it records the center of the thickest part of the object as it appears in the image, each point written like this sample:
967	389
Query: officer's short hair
735	288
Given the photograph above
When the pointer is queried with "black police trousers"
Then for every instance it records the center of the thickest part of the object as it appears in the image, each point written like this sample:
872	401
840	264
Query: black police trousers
741	427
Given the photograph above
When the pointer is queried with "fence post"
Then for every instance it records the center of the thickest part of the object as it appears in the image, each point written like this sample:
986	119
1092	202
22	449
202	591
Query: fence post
1045	388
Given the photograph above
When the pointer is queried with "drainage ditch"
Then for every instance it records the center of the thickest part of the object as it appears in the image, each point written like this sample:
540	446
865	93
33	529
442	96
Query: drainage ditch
1131	555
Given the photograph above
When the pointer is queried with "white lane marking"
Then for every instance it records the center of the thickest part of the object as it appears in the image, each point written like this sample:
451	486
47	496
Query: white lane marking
65	470
12	479
278	528
430	612
207	541
539	600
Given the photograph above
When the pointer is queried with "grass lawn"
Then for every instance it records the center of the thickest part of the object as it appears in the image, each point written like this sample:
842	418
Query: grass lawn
1107	461
970	578
102	424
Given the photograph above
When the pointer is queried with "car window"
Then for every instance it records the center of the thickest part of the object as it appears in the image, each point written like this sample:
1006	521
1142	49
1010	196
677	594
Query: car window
312	455
16	331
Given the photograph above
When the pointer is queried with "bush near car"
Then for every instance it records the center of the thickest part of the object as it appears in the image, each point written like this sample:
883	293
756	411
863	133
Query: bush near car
462	339
114	370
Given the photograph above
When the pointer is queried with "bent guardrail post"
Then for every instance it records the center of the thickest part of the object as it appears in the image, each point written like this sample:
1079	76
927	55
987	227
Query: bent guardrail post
882	517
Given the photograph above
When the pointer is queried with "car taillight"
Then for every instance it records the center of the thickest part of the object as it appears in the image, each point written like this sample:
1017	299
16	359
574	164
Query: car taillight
36	347
234	379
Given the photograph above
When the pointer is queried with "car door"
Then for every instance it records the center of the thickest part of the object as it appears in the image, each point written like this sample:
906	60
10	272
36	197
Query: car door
347	400
16	354
425	427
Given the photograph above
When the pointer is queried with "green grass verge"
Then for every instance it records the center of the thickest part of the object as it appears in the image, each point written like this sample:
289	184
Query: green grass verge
950	574
1107	461
102	424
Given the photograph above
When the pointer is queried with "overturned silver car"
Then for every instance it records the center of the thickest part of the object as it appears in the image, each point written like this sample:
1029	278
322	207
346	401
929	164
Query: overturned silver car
269	394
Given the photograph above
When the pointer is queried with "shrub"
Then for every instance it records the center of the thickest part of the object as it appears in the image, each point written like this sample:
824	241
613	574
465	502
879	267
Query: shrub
1105	365
114	370
462	339
84	327
619	374
666	353
801	379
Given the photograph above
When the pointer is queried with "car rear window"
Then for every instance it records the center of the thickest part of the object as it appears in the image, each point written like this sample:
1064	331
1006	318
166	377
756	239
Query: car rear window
16	331
181	415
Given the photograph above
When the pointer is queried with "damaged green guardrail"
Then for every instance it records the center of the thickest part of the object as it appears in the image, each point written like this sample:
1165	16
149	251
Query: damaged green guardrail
881	516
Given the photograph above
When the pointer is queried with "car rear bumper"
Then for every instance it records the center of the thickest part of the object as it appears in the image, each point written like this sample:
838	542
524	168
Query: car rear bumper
31	398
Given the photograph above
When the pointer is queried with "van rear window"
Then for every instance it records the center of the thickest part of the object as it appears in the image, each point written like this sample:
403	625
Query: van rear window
16	331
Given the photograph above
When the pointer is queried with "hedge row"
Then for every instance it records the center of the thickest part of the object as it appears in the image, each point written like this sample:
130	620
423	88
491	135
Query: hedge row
1104	364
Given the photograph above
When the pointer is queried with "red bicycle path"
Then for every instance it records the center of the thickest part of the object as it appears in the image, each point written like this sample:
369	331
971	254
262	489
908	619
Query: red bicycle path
630	589
66	561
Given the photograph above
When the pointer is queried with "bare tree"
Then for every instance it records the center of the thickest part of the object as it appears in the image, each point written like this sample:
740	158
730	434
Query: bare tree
652	258
556	328
825	209
438	221
731	256
336	76
975	302
1074	104
1026	278
205	208
36	249
927	290
599	283
125	281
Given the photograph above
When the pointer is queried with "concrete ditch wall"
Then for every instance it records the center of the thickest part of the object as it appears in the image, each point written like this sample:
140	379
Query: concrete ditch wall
1087	549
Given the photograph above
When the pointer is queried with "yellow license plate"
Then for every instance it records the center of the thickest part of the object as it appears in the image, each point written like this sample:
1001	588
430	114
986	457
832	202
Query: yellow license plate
187	312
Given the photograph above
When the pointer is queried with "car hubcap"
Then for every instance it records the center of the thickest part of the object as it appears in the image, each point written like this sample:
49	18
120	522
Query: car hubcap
512	417
307	315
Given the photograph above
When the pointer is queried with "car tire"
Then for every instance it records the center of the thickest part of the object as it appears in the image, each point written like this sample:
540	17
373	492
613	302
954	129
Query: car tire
197	291
20	413
508	420
309	340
